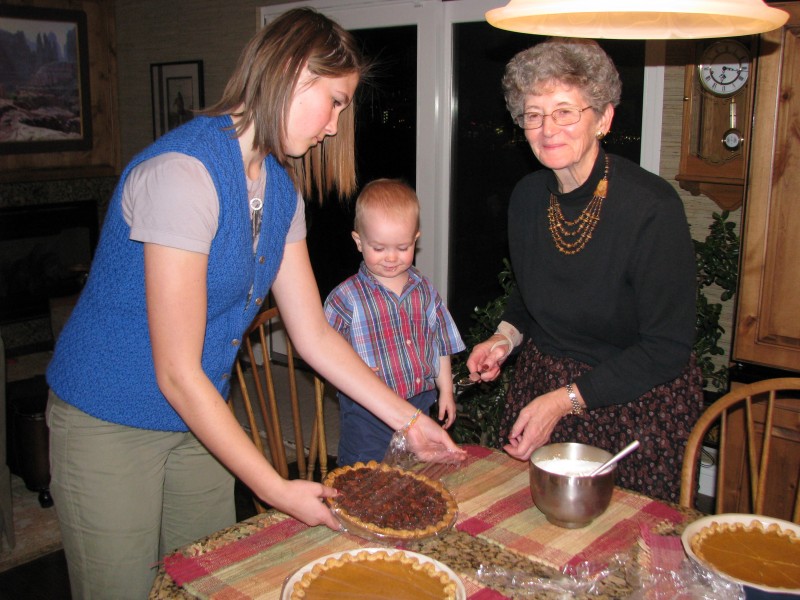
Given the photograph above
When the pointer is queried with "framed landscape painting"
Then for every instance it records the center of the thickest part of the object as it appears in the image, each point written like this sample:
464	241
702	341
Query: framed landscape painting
44	87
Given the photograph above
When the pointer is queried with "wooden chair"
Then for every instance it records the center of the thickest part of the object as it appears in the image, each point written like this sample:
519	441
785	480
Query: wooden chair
262	382
758	457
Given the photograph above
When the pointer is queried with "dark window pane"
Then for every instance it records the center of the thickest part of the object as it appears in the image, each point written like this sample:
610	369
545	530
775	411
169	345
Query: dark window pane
490	154
385	147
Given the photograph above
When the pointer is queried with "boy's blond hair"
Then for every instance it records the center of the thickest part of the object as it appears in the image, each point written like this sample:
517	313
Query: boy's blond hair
393	197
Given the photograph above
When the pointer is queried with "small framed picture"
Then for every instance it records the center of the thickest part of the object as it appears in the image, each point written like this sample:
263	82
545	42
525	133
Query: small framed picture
177	89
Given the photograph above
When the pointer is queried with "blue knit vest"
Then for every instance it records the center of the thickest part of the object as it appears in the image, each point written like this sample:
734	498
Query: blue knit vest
103	362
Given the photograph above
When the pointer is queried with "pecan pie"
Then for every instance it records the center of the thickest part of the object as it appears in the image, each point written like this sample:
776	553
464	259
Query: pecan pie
389	502
374	575
767	556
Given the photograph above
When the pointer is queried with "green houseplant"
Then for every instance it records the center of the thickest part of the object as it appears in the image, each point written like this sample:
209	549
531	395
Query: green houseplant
717	265
480	407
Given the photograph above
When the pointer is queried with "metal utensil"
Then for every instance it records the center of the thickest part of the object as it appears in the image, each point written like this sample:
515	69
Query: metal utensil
466	382
621	454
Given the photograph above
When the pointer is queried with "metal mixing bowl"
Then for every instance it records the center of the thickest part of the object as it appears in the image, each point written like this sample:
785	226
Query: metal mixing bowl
571	501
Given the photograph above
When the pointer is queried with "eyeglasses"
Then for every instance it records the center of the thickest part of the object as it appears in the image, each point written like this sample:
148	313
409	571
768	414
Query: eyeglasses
569	115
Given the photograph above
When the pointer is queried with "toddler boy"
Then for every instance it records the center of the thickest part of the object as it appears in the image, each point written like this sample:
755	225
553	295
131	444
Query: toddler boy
393	317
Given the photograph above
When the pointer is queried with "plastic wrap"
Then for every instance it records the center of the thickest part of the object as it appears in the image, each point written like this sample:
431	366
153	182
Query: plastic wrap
587	579
400	454
573	582
690	581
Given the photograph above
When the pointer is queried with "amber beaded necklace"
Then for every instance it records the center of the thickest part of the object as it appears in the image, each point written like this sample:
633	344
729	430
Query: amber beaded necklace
570	237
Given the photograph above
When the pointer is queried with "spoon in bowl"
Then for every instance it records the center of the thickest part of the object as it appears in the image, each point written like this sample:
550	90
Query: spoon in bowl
621	454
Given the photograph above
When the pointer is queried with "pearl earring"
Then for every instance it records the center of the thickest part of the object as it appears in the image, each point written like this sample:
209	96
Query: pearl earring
599	135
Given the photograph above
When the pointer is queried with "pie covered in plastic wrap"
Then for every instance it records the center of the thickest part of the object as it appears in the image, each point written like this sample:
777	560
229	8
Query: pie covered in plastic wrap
375	574
762	555
389	502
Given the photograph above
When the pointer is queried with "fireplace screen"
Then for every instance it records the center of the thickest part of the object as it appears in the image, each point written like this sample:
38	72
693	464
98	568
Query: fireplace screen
45	253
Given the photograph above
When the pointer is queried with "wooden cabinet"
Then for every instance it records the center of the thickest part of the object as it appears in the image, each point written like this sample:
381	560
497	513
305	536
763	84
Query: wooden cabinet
767	328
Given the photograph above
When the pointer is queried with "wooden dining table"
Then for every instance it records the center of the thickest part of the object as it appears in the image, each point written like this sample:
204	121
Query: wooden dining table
498	533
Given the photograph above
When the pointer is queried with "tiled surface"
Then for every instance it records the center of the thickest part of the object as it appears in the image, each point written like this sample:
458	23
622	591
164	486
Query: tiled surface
35	528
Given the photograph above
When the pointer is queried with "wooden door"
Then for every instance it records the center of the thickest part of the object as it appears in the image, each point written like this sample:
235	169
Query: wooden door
768	313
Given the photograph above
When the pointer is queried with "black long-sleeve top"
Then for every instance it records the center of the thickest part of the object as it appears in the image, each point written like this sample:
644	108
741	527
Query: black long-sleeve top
625	304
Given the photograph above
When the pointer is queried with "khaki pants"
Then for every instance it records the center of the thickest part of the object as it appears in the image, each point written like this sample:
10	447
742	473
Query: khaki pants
125	497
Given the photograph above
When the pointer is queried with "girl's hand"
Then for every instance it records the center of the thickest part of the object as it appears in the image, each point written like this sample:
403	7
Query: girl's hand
305	501
430	443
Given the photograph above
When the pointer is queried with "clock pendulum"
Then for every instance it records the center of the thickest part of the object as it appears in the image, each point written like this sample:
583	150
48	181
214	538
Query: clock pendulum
724	70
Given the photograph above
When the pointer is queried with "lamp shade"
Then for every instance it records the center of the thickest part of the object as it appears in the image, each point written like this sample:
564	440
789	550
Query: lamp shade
638	19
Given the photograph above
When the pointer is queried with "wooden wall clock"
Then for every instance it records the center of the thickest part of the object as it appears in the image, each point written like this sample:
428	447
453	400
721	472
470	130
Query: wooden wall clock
717	120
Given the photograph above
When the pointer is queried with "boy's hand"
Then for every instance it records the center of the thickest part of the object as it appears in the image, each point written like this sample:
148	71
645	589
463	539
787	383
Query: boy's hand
447	409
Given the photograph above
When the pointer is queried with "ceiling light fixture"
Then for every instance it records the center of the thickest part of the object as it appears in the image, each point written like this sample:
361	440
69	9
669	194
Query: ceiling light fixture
638	19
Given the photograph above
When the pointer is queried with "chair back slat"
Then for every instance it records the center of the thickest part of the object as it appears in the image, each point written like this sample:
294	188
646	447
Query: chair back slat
248	407
721	462
750	445
796	511
761	488
297	425
319	445
268	402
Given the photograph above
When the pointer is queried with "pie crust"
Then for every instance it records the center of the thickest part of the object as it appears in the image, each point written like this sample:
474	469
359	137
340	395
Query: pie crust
767	556
389	502
367	575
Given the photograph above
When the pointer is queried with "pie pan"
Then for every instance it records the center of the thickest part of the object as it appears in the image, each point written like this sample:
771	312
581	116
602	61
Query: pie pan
390	492
461	592
746	520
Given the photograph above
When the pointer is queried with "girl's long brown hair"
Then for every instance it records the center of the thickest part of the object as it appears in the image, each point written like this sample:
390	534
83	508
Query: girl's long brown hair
260	89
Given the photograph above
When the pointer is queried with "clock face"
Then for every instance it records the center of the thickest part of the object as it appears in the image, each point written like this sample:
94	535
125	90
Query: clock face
724	67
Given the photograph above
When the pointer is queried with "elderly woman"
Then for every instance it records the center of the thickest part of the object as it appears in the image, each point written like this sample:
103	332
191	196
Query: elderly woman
603	316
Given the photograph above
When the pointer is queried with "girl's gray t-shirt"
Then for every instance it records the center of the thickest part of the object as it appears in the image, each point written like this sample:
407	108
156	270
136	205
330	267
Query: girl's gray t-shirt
170	200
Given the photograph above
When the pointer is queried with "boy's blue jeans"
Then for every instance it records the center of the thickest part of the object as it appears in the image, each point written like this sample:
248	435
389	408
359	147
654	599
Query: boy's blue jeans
363	437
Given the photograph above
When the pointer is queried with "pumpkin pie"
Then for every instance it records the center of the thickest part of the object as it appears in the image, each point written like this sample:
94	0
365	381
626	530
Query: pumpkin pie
374	575
389	502
766	556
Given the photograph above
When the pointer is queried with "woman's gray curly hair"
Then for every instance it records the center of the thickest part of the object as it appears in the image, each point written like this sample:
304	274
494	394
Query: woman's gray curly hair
575	62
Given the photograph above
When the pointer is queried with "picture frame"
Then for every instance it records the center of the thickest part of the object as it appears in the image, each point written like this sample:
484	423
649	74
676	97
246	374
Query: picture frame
177	89
48	82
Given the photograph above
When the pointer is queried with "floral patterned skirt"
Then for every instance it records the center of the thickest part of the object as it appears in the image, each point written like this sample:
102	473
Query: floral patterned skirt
661	420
